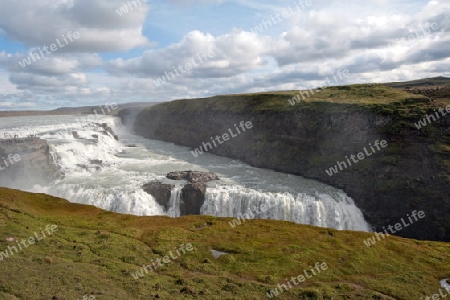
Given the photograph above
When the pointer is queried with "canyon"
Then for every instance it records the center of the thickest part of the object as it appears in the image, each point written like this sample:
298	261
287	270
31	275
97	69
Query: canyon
412	173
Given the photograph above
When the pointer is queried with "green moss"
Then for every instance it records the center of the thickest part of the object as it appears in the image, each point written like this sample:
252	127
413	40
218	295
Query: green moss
370	97
389	160
95	252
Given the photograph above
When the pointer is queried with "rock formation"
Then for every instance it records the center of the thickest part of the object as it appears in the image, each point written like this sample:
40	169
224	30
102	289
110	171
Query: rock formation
108	130
193	176
192	194
33	164
161	192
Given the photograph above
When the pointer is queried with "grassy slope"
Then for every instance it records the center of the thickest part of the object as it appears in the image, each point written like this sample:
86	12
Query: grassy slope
94	251
436	81
360	97
83	110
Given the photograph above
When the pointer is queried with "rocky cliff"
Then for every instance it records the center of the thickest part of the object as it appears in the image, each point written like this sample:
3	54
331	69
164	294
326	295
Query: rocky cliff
192	194
411	173
25	162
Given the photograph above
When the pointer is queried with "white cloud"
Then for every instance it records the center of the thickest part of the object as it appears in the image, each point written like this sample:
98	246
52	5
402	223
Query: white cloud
232	53
40	23
365	39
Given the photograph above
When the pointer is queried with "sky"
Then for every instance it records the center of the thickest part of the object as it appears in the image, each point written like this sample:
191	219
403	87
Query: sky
59	53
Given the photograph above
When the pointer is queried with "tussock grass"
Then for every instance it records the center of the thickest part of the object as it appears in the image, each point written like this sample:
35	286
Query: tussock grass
94	251
366	97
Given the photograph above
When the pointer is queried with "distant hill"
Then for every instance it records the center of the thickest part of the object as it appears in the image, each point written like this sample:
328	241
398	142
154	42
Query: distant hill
73	110
427	82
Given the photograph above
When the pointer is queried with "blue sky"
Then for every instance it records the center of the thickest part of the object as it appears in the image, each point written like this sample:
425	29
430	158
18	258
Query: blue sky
153	52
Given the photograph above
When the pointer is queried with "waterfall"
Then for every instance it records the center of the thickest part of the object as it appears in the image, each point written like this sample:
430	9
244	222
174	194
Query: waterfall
120	199
174	202
336	211
99	170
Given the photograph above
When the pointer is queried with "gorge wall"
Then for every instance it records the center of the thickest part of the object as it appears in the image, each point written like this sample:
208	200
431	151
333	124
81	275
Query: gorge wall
25	162
411	173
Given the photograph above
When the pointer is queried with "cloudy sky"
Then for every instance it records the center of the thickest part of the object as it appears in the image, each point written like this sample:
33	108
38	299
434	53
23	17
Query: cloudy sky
57	53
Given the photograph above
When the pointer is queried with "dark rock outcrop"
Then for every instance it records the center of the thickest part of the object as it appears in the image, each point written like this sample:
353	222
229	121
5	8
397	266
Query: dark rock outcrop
193	197
193	176
108	130
76	135
161	192
192	194
28	162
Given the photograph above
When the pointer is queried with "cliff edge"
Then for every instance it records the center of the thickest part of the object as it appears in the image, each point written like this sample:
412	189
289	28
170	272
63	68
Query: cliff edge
25	161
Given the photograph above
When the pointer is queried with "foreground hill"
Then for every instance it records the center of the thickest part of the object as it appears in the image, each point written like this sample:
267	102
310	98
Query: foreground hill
95	252
313	134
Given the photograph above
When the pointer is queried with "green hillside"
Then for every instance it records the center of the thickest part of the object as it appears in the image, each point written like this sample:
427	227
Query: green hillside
426	82
95	252
376	98
354	96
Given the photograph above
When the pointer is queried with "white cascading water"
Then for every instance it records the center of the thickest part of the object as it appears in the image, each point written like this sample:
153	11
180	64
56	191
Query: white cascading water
137	202
115	183
320	209
174	202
